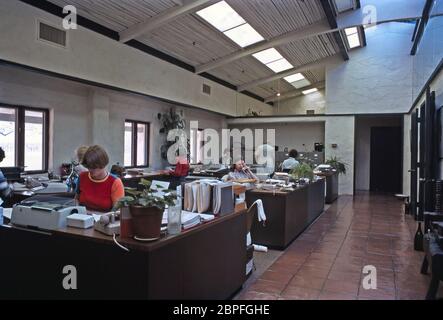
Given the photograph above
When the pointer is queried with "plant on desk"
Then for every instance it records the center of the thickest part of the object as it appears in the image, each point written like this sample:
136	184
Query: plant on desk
302	171
147	208
337	165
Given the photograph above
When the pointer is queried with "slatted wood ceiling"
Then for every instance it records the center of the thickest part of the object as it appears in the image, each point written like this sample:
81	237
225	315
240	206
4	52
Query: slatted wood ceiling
193	41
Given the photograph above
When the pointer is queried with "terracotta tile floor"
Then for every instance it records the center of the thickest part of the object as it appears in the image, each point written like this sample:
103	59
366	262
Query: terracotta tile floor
326	261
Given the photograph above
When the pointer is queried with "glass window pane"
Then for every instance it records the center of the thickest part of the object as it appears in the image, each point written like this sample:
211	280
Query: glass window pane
192	144
7	136
222	16
280	65
354	41
141	145
34	140
128	144
244	35
200	144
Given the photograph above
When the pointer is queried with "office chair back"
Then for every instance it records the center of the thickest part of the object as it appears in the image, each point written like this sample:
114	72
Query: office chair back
251	214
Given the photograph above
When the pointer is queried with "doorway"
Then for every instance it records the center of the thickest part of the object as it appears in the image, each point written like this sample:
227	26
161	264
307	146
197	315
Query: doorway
386	159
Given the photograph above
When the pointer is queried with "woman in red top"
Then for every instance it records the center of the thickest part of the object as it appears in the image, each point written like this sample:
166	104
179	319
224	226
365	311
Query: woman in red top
181	168
97	188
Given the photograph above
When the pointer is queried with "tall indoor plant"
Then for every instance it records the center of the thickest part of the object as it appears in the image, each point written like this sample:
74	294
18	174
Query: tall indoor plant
169	121
146	207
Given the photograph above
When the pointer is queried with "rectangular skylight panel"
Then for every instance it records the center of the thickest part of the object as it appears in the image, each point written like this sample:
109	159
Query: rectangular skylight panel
294	77
244	35
354	41
280	65
350	31
301	83
268	56
310	91
221	16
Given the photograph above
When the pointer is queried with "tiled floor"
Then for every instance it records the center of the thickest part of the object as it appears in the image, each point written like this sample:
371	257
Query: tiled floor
326	261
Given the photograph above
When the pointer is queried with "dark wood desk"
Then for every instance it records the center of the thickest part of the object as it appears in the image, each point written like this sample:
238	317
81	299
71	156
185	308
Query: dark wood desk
206	262
331	186
287	213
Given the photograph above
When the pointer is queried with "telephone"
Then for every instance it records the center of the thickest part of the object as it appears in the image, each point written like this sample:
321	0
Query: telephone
107	224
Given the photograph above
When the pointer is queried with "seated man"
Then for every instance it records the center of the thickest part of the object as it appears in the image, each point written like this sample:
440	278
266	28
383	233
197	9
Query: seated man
240	171
291	162
5	189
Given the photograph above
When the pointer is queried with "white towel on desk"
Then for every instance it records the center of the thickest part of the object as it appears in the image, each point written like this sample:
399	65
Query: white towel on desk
260	210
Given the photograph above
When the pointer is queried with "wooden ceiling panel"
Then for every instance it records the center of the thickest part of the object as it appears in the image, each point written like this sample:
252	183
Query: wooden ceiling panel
117	14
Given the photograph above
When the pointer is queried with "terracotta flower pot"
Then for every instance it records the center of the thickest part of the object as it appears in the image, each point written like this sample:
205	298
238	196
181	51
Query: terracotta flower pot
146	222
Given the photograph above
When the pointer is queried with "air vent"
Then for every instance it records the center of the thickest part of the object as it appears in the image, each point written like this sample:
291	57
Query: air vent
206	89
310	112
51	34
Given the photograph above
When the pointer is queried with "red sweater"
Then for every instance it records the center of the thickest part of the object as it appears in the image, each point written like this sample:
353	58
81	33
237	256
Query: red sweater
99	195
181	170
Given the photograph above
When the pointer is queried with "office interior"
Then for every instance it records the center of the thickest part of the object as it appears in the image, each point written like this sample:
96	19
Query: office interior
349	84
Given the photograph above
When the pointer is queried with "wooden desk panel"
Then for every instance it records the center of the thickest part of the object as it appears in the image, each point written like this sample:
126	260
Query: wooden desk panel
206	262
287	213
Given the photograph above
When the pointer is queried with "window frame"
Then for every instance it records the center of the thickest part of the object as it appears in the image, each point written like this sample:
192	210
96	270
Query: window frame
20	136
134	146
202	143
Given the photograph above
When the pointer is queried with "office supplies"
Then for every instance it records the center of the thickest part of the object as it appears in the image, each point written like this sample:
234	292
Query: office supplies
107	224
43	215
82	221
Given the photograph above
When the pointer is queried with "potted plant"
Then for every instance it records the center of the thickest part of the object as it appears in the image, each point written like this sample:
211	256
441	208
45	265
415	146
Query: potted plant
335	163
170	120
302	171
146	208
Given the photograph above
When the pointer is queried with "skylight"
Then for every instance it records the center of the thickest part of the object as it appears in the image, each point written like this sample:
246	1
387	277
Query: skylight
353	37
306	92
268	56
244	35
221	16
301	83
294	77
280	65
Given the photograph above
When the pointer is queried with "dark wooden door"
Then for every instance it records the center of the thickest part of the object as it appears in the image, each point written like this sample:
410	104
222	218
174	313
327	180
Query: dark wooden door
386	159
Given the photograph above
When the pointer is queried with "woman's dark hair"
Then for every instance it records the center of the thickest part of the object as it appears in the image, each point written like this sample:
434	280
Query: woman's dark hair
293	153
2	154
95	157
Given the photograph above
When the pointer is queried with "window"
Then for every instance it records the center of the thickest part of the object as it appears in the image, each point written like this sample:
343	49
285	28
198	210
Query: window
136	144
225	19
24	137
273	60
353	37
196	144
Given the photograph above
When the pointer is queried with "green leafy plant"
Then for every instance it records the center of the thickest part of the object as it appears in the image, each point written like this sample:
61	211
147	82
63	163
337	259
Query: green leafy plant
302	171
252	113
147	197
335	163
170	120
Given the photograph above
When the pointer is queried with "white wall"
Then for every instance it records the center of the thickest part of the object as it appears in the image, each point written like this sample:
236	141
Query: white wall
339	130
314	101
378	77
300	136
363	127
83	114
93	57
